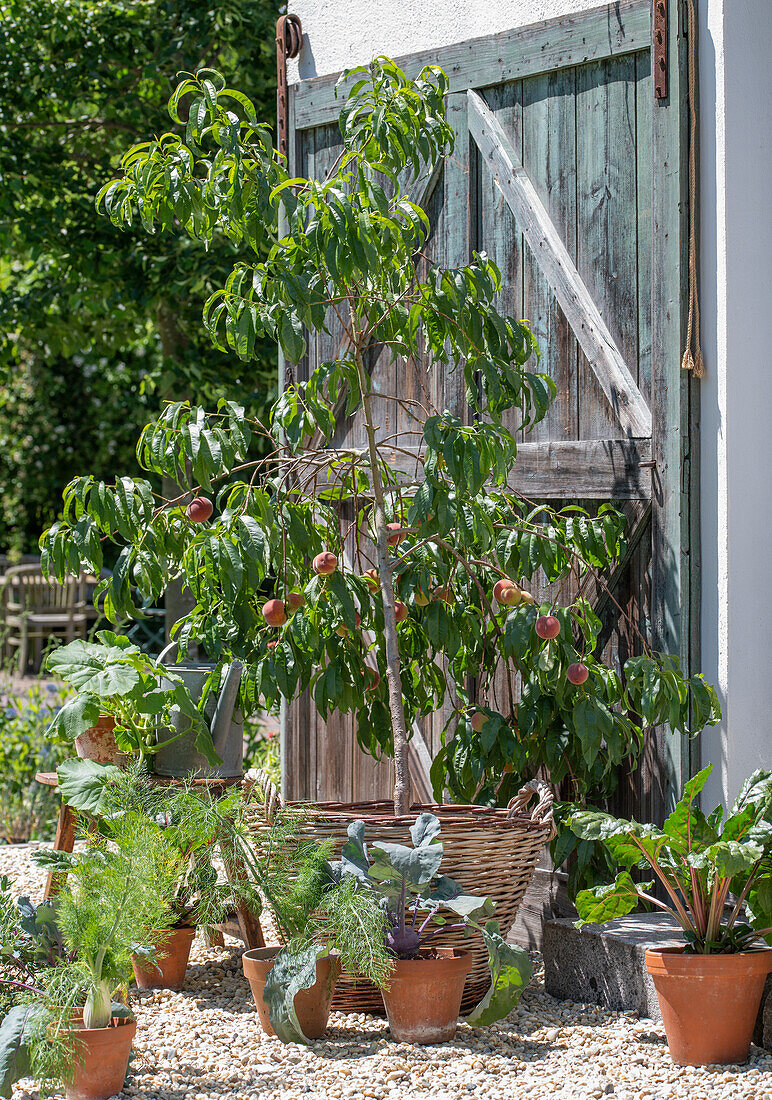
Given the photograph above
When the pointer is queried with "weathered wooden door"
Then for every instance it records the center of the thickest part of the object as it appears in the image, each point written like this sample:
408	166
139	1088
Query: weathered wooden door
569	174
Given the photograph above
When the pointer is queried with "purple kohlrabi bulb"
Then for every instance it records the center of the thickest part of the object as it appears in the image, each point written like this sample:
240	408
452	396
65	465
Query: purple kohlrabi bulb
404	944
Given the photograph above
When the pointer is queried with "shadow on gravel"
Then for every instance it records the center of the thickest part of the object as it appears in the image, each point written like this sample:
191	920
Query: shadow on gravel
203	985
341	1043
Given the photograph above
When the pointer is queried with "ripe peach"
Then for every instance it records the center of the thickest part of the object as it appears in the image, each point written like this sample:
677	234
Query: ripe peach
420	599
479	718
441	593
295	600
341	630
511	596
400	611
373	678
199	510
274	613
397	536
526	597
577	674
373	580
500	587
547	626
325	563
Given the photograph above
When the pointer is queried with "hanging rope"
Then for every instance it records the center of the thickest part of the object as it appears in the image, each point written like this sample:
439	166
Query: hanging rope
693	360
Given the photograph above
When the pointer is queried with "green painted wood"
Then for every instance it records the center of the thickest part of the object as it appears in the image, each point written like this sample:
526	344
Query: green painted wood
549	159
573	39
576	300
606	226
606	167
644	99
673	398
497	232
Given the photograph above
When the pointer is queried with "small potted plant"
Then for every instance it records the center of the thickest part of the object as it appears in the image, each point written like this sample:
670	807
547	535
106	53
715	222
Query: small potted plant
322	923
426	983
65	1027
127	704
121	800
711	869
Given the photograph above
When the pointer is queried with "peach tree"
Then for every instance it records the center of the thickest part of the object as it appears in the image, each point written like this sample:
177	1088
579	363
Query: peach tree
426	590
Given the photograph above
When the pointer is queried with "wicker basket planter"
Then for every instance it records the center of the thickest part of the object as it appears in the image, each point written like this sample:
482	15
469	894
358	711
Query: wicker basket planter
491	852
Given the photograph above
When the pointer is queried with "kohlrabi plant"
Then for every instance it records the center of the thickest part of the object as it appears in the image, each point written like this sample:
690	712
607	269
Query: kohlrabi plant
418	902
699	861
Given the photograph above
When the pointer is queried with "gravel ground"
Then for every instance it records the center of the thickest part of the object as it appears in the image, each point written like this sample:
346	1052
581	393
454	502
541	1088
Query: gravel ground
205	1043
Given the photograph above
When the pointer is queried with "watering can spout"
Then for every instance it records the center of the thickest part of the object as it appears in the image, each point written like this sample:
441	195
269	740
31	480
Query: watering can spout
226	703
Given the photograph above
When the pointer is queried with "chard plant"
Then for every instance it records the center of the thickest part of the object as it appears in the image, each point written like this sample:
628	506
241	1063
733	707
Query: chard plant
323	567
699	862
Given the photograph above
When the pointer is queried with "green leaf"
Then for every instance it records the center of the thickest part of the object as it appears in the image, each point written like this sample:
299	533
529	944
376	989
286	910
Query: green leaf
417	866
511	972
292	971
603	903
291	337
100	670
83	783
78	714
19	1029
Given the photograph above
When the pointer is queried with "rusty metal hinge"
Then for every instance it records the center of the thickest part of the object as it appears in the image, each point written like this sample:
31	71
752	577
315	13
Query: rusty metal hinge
289	39
660	49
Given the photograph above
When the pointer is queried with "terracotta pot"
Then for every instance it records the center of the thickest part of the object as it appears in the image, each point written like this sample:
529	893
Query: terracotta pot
709	1003
311	1005
102	1059
173	948
424	996
98	743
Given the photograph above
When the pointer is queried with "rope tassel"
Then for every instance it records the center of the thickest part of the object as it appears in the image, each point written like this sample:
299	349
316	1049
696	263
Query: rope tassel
693	361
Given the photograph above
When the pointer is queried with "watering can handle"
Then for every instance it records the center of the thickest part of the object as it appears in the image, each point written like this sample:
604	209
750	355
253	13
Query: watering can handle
174	644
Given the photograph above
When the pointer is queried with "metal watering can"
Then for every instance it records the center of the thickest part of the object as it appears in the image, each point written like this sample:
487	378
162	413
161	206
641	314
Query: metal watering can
182	759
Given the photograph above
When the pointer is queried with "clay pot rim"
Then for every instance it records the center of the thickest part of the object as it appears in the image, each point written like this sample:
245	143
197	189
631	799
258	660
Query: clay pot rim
186	928
116	1022
674	961
270	951
261	954
455	958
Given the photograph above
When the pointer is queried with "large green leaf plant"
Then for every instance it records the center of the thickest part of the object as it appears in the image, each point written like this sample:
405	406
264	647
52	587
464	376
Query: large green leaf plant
381	579
150	703
699	861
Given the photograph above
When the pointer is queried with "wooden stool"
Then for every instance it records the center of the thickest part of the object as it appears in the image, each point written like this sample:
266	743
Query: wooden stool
249	925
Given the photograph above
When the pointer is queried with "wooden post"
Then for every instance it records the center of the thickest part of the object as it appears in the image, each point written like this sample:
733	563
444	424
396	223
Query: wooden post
63	842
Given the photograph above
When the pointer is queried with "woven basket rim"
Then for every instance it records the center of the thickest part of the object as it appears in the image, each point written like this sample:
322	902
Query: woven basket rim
381	812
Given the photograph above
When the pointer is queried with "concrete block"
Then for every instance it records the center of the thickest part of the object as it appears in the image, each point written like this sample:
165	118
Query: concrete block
606	964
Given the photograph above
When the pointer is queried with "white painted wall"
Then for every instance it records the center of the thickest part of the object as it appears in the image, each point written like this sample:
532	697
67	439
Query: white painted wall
736	436
735	88
340	33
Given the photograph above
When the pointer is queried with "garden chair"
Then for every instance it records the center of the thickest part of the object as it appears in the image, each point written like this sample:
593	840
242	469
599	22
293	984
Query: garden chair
35	608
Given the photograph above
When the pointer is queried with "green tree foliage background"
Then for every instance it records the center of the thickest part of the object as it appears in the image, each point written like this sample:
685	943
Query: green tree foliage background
98	324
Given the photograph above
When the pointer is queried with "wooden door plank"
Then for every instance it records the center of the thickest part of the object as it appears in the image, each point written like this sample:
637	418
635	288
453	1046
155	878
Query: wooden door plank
607	259
497	232
594	469
675	407
549	160
644	99
623	26
583	315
